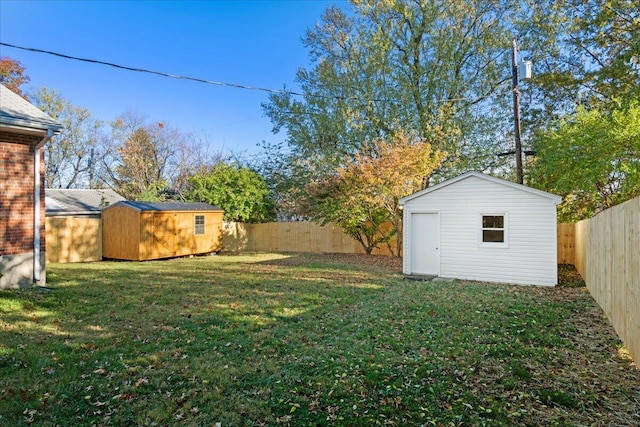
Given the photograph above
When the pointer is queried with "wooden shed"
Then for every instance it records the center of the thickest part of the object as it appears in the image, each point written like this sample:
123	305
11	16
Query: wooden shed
478	227
141	231
74	224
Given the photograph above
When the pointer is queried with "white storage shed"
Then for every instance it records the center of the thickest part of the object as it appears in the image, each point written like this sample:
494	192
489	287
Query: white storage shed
477	227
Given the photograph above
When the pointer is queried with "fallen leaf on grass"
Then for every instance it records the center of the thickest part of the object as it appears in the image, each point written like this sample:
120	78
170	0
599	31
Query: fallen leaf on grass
141	381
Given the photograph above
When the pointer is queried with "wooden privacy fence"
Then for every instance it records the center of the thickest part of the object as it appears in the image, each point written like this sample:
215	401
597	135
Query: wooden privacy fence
606	252
78	239
299	236
310	237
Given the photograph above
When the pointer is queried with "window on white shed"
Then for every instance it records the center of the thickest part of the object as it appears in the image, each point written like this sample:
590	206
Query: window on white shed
493	229
199	225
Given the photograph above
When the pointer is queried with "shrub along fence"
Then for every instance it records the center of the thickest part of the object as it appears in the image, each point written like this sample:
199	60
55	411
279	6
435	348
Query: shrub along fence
606	252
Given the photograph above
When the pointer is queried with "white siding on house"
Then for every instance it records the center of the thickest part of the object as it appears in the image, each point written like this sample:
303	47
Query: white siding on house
528	258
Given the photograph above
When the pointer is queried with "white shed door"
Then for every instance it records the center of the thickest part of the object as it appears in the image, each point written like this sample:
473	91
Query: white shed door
425	243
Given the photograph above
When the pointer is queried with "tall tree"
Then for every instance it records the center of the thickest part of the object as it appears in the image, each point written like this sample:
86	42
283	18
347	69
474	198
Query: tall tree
145	160
398	65
592	158
140	173
71	158
586	52
12	75
433	69
583	101
193	155
286	176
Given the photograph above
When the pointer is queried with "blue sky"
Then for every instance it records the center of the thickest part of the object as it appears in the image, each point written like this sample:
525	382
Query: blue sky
252	43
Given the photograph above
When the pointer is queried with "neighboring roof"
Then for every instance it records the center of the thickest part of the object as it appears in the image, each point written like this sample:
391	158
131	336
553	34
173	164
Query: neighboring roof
78	202
553	197
168	206
16	112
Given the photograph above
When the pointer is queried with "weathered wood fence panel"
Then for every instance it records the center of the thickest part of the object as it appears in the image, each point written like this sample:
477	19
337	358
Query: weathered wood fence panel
73	238
607	255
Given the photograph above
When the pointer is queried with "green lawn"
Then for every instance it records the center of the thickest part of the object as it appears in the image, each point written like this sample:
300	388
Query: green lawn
304	340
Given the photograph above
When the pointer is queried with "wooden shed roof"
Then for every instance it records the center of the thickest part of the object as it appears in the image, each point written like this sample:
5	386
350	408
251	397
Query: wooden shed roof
167	206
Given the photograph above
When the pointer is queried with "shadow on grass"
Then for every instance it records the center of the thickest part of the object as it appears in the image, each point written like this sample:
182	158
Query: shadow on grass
97	301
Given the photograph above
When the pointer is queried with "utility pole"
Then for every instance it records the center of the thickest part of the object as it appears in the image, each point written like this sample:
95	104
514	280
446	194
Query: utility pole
91	166
516	110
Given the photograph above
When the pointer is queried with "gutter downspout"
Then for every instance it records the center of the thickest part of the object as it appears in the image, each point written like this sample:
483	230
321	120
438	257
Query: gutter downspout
36	206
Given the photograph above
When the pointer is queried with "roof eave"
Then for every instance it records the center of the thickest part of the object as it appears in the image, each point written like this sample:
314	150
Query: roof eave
73	213
553	197
26	126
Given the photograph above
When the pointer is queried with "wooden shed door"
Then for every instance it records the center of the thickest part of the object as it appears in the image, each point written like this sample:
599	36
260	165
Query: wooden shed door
164	235
425	243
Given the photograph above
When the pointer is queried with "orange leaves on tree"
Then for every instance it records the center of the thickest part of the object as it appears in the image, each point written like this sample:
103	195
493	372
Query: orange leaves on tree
12	75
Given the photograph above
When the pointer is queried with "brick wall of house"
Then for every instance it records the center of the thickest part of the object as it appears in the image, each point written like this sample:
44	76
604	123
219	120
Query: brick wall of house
16	193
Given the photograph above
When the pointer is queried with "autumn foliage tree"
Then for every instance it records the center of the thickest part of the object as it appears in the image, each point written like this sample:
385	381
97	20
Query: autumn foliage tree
144	158
140	173
362	196
12	75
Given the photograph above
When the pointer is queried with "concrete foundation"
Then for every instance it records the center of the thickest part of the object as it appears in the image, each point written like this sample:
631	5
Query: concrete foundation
17	271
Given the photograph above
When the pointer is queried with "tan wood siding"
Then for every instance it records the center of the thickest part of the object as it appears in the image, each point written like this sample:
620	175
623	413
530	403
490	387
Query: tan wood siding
74	239
121	233
134	235
608	257
566	244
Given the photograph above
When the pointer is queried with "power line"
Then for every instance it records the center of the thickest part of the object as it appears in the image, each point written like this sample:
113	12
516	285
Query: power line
181	77
227	84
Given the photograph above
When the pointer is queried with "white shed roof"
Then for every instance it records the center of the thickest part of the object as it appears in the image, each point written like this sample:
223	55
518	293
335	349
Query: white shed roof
556	199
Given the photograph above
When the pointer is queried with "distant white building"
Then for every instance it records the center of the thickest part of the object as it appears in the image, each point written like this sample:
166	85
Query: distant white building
477	227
